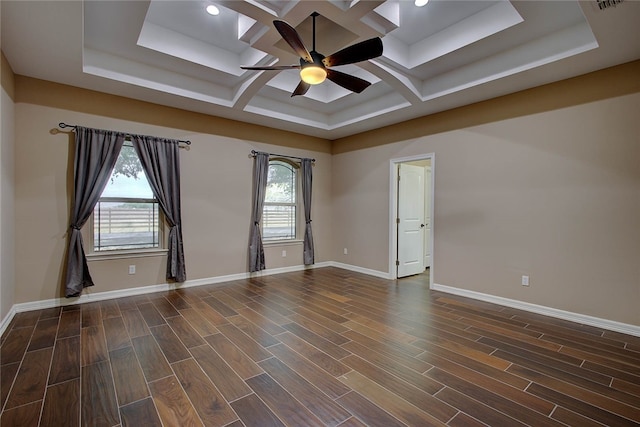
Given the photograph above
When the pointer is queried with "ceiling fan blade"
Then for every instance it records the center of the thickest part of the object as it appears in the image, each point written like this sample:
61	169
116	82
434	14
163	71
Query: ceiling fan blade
362	51
273	67
301	89
349	82
290	35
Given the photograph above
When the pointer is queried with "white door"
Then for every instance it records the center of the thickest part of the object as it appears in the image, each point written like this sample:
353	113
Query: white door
410	220
427	216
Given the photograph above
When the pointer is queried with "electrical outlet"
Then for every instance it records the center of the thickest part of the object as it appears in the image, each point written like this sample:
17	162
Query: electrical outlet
132	269
345	251
284	254
525	280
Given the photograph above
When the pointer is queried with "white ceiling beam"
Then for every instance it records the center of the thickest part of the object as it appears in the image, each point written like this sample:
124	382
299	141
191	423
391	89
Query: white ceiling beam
408	87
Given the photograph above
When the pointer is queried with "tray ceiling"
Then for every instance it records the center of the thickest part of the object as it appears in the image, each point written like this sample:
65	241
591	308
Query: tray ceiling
440	56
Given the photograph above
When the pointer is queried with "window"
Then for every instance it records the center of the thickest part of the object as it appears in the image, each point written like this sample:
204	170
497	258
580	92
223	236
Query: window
279	215
127	216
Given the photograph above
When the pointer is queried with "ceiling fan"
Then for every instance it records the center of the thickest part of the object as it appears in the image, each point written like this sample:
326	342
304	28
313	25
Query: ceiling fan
315	67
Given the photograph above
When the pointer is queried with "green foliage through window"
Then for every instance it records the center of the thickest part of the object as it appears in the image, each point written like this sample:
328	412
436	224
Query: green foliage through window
128	163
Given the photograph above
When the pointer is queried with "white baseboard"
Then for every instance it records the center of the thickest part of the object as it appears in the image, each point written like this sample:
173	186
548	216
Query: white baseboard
7	319
367	271
583	319
89	296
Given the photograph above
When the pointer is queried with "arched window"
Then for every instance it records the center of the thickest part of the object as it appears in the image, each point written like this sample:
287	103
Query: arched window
279	215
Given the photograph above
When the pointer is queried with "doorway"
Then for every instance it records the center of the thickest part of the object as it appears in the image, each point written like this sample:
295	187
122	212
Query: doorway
411	213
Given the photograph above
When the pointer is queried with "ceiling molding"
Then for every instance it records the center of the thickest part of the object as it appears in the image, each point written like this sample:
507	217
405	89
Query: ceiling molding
608	83
442	56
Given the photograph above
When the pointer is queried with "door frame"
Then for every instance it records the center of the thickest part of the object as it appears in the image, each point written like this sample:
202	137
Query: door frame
411	215
393	209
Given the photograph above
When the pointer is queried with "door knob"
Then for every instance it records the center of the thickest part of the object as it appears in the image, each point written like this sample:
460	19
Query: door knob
421	225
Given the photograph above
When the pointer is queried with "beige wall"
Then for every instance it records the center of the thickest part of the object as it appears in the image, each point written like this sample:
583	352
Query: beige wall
544	183
599	85
216	199
7	279
553	195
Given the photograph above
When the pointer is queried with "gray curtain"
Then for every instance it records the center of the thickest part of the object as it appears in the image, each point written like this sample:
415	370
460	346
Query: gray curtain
260	175
96	155
307	178
161	163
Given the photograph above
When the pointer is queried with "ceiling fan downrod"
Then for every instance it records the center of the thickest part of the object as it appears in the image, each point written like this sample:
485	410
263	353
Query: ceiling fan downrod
313	15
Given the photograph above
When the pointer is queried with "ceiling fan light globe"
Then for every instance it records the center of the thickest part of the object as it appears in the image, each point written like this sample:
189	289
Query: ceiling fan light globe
212	9
313	74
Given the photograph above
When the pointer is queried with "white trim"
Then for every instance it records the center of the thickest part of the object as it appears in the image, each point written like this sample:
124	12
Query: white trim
283	242
87	296
393	208
583	319
100	296
7	319
367	271
125	254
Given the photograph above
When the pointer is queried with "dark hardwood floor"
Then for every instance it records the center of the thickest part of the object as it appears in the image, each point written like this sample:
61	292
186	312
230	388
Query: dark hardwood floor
323	347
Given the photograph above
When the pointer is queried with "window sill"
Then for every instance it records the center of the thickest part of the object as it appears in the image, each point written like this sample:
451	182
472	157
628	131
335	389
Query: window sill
139	253
295	242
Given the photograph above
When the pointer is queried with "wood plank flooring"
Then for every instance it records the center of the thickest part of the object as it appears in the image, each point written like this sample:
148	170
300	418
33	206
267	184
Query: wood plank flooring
323	347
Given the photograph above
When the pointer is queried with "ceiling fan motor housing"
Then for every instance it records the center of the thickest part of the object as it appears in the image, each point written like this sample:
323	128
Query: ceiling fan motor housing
313	72
317	60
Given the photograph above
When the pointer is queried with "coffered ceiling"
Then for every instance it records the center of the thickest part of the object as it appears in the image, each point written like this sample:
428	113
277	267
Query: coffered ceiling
446	54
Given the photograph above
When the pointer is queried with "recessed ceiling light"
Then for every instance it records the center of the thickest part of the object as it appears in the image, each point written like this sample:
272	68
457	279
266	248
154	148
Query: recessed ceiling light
213	10
421	3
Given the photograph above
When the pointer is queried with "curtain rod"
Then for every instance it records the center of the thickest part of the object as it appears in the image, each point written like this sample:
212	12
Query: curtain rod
254	152
64	125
